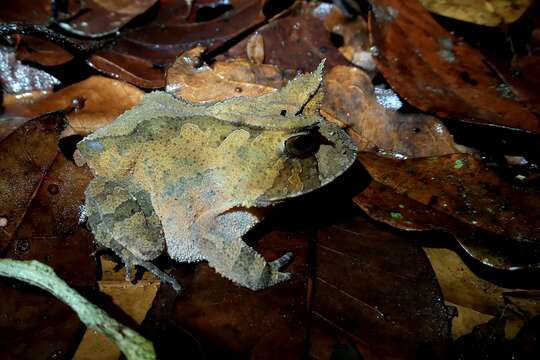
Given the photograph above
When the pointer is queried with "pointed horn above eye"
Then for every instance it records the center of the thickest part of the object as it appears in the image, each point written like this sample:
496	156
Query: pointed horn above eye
263	110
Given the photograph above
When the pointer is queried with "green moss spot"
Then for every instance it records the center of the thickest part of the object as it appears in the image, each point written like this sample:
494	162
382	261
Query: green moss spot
396	215
401	206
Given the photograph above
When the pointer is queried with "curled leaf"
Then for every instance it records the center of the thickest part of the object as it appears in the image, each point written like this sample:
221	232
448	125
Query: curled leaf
350	99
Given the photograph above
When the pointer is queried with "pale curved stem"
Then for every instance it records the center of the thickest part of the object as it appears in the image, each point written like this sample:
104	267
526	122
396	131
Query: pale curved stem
133	345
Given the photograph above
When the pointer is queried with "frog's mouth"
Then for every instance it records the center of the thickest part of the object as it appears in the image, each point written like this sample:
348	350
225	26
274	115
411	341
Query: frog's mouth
315	158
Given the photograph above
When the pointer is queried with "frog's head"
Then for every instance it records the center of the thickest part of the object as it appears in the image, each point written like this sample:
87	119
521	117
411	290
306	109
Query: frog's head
292	149
297	160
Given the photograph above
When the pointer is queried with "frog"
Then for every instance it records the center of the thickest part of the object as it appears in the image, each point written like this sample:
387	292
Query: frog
187	179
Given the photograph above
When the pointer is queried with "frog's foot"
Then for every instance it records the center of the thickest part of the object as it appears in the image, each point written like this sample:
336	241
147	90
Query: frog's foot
129	259
276	276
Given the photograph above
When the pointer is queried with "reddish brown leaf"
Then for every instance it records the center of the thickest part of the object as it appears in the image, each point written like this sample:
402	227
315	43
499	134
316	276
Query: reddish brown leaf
523	77
494	220
26	155
436	71
94	18
133	69
350	100
43	52
34	12
173	38
297	43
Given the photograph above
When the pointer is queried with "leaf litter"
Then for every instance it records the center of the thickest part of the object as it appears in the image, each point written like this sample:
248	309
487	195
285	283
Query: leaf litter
412	165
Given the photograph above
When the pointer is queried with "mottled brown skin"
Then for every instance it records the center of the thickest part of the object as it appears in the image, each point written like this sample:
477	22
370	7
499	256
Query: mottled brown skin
182	177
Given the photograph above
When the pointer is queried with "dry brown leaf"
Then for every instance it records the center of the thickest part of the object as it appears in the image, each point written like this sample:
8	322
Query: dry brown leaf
196	82
350	99
481	12
100	101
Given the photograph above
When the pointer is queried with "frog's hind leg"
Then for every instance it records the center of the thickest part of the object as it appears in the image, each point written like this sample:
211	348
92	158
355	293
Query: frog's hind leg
222	245
237	261
123	220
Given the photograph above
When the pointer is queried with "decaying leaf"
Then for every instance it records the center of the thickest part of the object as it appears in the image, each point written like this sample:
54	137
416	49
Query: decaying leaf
134	346
436	71
35	12
481	12
492	219
96	101
26	155
197	82
350	99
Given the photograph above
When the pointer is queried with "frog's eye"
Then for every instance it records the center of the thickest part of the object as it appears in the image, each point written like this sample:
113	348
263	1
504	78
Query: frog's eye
303	144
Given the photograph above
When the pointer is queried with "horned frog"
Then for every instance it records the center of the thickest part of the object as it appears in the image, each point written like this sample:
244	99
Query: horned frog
185	178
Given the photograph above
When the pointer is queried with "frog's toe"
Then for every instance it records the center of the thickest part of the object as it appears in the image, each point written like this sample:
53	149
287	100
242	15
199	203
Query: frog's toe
279	277
281	261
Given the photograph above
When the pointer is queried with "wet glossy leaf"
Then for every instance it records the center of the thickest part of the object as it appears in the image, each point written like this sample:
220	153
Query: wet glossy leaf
491	218
94	18
43	52
436	71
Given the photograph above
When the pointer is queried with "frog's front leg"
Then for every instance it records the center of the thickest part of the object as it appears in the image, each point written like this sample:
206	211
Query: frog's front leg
222	245
123	220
